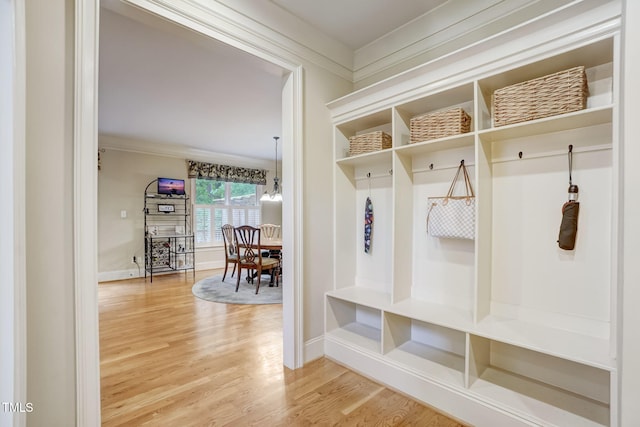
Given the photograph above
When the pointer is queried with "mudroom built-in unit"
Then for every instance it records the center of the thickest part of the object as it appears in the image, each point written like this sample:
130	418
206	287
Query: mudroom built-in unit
505	328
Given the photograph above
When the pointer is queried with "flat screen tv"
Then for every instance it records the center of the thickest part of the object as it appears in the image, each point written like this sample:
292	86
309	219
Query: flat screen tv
171	186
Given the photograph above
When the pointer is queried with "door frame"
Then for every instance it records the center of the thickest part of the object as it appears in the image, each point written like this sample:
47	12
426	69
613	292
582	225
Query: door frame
85	191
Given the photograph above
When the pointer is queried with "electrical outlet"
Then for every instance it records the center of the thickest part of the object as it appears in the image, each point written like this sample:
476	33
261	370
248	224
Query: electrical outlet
134	260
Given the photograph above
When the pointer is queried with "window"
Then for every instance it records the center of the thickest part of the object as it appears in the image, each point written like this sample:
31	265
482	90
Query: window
220	202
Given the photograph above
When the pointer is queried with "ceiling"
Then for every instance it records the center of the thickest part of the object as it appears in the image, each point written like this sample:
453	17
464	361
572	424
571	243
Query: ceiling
165	85
356	23
175	88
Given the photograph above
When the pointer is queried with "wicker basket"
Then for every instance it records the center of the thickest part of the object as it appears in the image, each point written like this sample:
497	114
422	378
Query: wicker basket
557	93
439	124
367	142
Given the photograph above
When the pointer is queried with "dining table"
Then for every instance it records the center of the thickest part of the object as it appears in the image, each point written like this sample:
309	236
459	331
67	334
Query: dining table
270	244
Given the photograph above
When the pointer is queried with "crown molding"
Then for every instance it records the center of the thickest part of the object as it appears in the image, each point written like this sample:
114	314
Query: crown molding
536	39
120	143
264	29
259	28
442	31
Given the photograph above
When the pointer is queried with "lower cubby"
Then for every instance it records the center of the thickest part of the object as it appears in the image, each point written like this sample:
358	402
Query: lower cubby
492	382
429	350
546	389
353	323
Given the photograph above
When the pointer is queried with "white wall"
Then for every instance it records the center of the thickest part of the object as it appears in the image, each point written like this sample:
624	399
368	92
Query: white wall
320	87
121	183
51	377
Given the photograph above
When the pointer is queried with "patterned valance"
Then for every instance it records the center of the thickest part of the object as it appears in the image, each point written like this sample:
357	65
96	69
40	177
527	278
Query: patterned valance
205	170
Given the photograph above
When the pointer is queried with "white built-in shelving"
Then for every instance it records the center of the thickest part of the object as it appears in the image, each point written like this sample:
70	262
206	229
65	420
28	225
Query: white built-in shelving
509	321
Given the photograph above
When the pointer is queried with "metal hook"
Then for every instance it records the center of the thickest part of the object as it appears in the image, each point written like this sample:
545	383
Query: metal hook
520	155
431	166
462	162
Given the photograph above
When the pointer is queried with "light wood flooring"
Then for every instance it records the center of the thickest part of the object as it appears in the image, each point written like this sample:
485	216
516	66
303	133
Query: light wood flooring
170	359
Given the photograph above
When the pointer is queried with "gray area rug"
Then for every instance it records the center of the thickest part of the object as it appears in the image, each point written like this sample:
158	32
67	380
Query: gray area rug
214	289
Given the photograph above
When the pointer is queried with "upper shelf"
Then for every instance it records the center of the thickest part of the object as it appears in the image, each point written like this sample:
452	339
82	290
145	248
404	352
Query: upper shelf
374	157
578	119
450	142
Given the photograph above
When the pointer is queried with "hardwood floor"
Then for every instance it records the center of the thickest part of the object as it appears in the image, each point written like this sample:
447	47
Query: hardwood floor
171	359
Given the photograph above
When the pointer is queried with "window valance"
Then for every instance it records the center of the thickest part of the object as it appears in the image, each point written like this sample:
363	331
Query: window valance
212	171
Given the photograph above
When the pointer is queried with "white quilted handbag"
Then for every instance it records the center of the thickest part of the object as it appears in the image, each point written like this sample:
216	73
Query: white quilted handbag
453	217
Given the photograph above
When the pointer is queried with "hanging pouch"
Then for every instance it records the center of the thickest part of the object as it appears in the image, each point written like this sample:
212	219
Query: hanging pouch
569	225
570	210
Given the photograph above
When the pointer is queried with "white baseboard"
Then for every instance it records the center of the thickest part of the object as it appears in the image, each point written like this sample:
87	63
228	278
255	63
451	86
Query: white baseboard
132	273
313	349
108	276
210	265
453	401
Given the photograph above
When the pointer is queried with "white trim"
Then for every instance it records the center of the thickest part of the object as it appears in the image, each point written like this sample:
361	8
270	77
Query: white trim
133	273
557	30
112	142
13	324
448	399
85	213
234	33
314	349
110	276
442	30
252	35
209	265
629	295
85	167
292	220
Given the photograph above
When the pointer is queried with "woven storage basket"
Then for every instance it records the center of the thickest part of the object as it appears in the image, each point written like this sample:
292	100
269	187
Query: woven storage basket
439	125
367	142
558	93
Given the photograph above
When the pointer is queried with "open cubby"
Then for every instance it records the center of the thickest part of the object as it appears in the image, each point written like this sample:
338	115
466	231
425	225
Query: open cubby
428	349
359	181
525	196
443	269
380	120
458	97
354	323
546	389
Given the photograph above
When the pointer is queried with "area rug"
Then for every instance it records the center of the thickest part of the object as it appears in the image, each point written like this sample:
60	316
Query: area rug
215	290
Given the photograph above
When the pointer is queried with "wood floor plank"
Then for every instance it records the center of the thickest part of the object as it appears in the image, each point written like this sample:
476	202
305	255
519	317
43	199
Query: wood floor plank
171	359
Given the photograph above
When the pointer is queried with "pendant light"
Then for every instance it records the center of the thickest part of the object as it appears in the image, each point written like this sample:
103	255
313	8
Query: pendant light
275	195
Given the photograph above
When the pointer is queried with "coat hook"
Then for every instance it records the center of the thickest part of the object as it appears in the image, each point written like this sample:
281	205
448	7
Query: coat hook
390	171
570	148
520	155
462	162
431	166
369	175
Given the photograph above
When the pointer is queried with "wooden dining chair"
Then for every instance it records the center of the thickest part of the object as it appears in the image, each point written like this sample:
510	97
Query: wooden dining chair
250	254
272	231
230	249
